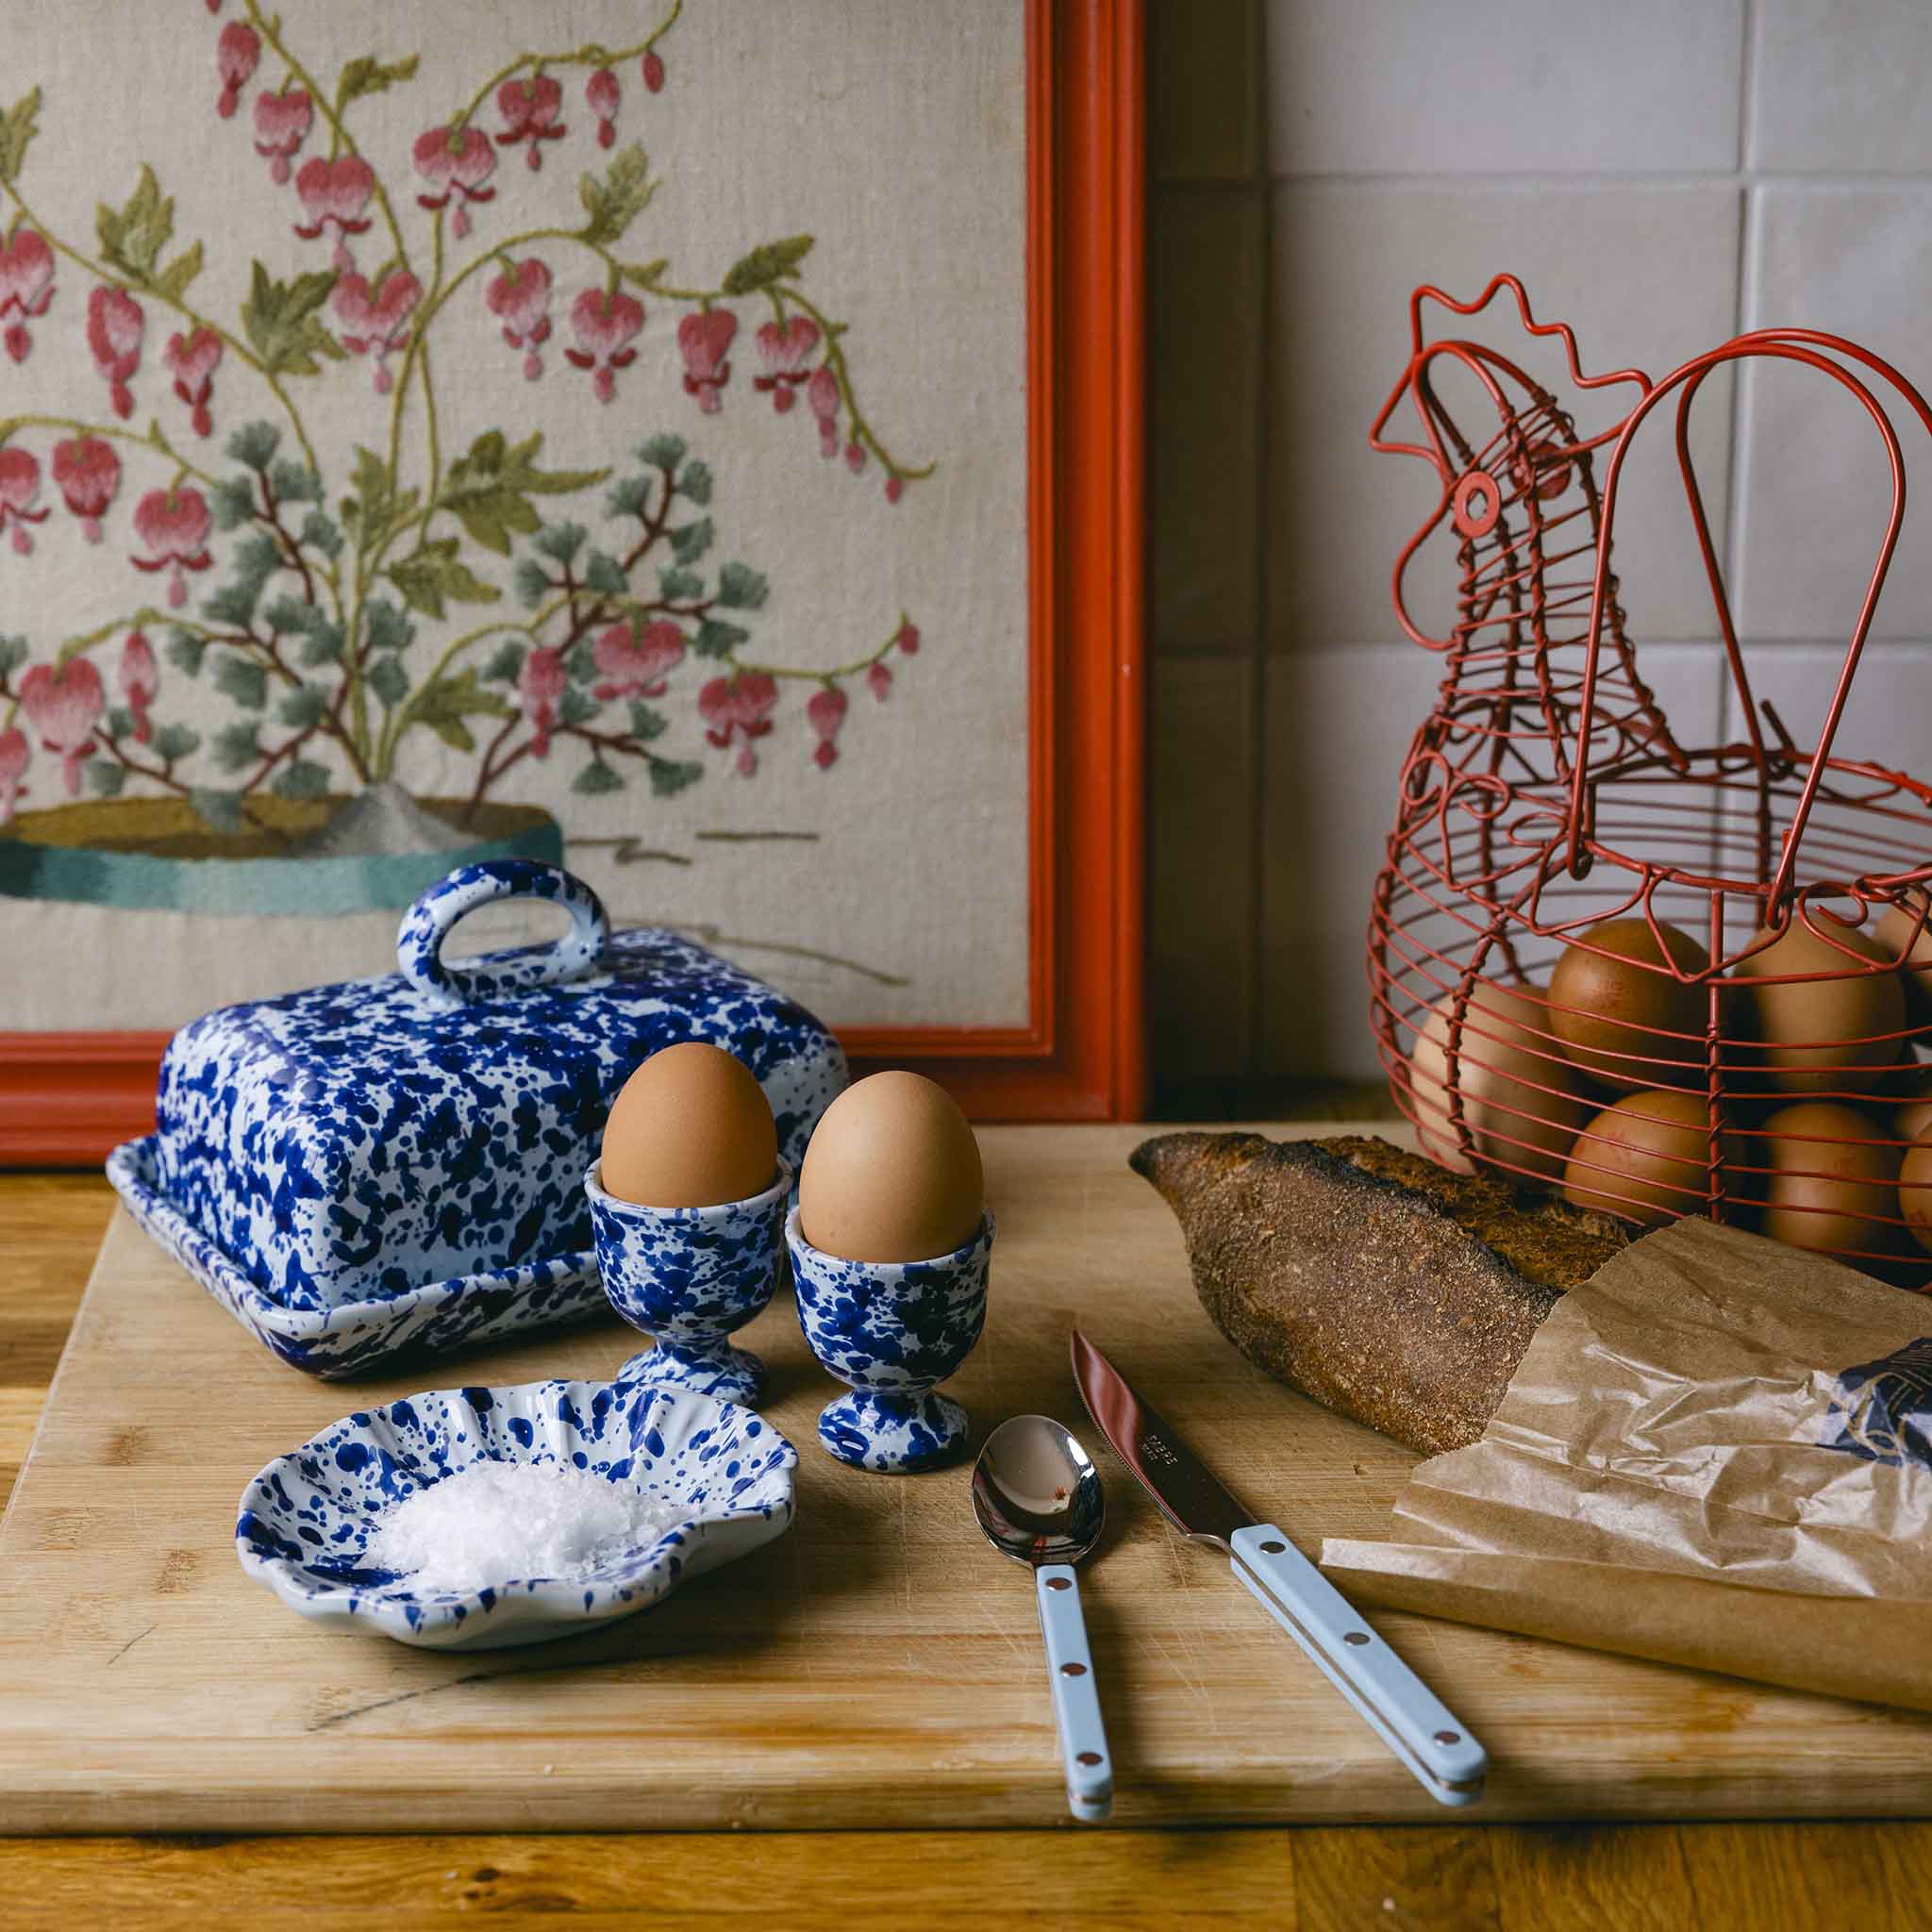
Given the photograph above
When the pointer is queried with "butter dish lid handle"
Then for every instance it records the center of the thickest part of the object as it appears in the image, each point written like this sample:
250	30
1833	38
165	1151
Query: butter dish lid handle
427	924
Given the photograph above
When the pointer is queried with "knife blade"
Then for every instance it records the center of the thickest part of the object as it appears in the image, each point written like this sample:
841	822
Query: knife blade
1421	1731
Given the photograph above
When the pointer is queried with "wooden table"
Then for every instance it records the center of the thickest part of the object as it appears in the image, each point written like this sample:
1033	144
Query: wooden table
1534	1878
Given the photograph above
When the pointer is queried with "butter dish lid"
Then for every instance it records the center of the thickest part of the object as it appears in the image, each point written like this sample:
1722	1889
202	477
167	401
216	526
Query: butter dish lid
365	1137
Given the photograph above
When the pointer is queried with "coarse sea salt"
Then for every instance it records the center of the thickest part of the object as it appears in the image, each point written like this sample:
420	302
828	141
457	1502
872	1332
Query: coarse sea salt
497	1523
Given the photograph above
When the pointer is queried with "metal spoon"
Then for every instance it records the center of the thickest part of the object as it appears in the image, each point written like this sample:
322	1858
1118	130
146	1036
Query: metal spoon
1036	1496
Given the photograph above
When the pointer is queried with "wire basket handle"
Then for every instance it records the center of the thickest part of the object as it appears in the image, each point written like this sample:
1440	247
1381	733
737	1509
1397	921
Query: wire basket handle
1799	345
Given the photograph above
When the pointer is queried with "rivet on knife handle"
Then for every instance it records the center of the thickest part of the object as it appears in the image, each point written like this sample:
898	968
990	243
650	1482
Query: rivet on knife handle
1409	1717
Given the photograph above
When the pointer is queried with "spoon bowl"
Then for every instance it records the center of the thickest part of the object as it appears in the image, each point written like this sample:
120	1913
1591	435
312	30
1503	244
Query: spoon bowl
1036	1492
1037	1497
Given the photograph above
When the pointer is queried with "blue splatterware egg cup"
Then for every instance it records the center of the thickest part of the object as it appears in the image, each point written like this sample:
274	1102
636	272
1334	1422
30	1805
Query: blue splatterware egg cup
891	1331
690	1276
308	1518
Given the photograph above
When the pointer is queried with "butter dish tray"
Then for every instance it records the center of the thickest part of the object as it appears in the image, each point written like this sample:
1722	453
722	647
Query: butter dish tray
306	1521
395	1163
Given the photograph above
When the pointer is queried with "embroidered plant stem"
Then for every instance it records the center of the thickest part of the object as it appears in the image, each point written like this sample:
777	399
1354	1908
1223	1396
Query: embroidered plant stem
862	430
152	438
588	55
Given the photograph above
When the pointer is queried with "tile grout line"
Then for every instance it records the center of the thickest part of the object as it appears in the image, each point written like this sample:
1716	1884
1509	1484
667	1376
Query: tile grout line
1261	195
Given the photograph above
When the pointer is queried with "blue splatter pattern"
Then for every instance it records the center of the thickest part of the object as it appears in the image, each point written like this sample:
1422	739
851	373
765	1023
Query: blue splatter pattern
308	1518
382	1141
891	1331
689	1276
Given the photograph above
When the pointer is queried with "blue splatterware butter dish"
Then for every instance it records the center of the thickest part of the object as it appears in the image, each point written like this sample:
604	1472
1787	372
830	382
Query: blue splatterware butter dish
719	1480
396	1163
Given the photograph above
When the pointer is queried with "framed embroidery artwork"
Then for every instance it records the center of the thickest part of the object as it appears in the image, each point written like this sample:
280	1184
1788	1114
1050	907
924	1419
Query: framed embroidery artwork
696	442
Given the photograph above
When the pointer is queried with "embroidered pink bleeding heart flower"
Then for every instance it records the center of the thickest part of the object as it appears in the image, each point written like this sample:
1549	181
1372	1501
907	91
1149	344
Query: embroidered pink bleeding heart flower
636	663
20	486
879	678
855	456
652	68
906	637
604	325
529	111
377	325
281	125
706	340
192	361
822	392
62	707
174	523
457	163
785	353
27	286
520	299
896	489
138	678
739	706
88	474
826	712
16	753
602	96
114	326
237	50
334	194
541	681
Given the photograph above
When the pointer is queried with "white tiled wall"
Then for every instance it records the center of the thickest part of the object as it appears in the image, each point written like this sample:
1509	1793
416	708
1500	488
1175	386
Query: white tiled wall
1663	174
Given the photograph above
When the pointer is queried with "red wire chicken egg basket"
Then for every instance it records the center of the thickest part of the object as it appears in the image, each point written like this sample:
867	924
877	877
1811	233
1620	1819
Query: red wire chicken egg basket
1664	979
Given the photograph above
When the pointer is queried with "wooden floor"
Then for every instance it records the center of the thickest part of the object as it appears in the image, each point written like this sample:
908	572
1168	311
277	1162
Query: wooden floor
1515	1879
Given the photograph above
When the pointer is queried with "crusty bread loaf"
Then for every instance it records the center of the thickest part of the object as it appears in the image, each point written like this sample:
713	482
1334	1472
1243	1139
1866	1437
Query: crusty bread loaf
1370	1278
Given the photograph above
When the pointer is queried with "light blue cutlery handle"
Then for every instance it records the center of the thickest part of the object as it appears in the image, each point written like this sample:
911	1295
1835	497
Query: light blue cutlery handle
1408	1716
1075	1700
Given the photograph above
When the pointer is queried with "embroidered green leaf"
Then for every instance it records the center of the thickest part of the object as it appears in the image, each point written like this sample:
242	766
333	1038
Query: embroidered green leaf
106	777
254	443
321	645
627	498
691	542
321	532
388	681
444	704
506	661
295	483
185	651
366	74
669	778
716	639
740	588
616	200
257	558
283	321
375	511
385	627
172	741
574	707
695	482
232	501
662	452
13	654
435	576
488	490
120	722
16	130
561	543
243	680
233	603
646	724
219	810
604	574
133	235
303	708
581	662
769	262
595	778
644	274
235	745
532	585
680	583
285	613
301	779
172	280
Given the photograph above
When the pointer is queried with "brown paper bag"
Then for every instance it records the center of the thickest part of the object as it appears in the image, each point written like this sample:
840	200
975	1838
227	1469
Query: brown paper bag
1718	1452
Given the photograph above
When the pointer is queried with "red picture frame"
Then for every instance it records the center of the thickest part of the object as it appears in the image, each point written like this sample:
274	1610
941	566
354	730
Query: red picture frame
68	1098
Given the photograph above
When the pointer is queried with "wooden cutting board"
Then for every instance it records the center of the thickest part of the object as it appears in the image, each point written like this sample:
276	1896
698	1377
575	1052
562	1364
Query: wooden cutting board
876	1666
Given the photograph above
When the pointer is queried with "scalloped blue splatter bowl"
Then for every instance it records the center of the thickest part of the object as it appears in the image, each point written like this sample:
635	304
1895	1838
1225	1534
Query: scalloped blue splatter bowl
308	1518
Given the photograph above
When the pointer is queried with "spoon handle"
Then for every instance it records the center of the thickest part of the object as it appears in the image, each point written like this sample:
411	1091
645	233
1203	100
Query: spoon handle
1075	1701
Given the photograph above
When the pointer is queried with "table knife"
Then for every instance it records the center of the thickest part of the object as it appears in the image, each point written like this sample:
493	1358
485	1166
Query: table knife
1396	1704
